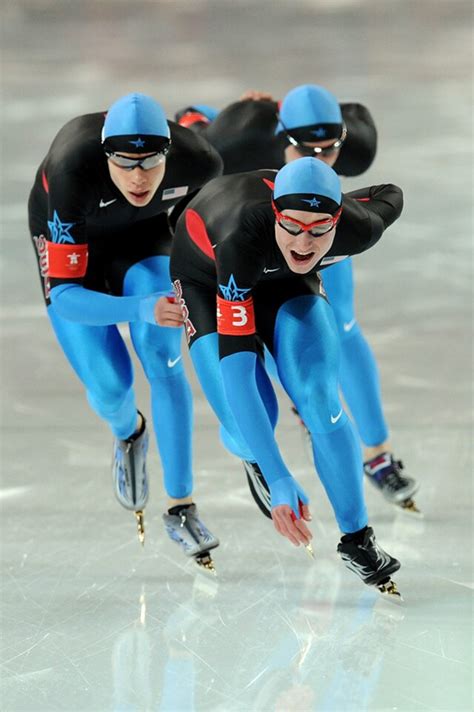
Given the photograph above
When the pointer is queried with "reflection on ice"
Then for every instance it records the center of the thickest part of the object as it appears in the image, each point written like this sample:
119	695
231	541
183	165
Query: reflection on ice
209	655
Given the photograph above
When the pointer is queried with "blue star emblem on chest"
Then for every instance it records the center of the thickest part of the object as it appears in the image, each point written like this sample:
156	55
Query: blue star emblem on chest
232	292
60	230
320	133
313	202
139	143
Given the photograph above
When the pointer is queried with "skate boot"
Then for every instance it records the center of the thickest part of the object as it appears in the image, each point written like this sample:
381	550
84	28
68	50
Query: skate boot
186	529
385	473
130	476
258	487
362	555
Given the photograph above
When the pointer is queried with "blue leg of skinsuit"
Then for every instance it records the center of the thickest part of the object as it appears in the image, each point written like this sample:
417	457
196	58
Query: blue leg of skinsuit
359	378
307	354
158	349
205	357
100	359
271	367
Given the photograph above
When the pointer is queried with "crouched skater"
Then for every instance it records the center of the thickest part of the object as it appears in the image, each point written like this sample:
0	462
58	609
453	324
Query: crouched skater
98	215
245	265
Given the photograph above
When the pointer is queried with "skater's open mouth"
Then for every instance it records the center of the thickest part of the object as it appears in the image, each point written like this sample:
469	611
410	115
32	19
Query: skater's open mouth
139	197
298	257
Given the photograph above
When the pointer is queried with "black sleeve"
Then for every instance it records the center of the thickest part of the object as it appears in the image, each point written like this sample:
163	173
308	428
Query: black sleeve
359	149
66	237
244	135
383	202
366	214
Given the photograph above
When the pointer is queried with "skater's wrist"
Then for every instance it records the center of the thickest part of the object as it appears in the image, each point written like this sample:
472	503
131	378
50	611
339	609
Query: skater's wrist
149	308
286	490
146	309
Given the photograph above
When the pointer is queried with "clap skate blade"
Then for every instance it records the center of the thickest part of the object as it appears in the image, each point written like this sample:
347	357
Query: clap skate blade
409	506
390	591
205	562
140	517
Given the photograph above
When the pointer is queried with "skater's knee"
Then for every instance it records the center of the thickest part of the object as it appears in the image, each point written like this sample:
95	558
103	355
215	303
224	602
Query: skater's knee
232	441
108	400
159	350
347	325
320	406
107	380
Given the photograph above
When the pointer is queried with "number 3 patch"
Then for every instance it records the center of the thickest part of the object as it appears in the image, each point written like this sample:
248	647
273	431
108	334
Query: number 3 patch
235	318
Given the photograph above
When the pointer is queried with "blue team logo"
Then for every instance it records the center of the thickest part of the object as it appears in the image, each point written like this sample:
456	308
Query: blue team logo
320	133
139	143
313	203
232	292
60	230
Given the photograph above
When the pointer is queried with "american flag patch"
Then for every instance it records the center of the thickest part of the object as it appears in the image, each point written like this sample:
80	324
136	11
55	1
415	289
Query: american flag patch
333	260
171	193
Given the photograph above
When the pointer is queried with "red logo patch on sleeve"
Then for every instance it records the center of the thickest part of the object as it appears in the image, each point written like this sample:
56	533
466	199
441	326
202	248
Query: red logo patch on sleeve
235	318
67	260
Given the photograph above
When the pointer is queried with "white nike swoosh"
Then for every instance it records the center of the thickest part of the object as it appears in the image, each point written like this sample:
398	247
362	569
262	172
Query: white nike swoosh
349	324
173	363
334	419
104	204
270	270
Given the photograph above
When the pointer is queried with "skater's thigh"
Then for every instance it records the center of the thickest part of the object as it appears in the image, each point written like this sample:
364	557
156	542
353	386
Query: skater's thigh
155	345
305	327
270	297
97	354
307	350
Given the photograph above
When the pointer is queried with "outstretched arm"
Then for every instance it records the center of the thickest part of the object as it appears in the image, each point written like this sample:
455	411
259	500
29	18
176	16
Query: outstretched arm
76	303
238	363
239	374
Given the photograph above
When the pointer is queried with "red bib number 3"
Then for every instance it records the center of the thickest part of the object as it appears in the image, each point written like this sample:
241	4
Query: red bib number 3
235	318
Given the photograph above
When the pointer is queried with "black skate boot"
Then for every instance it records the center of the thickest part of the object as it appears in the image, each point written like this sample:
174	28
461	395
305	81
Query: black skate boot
130	476
186	529
385	473
258	487
362	555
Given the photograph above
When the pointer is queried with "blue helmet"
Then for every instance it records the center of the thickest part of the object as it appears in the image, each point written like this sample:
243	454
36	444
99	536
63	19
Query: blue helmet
310	113
135	123
307	184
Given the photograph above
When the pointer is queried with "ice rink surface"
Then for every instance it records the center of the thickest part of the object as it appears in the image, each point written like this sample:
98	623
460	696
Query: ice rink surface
90	621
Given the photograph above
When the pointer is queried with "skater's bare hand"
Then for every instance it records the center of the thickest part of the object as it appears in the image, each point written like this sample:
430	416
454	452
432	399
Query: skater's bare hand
254	95
168	313
290	526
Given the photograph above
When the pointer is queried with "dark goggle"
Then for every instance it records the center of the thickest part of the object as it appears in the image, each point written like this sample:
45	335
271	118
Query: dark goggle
317	150
295	227
146	163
